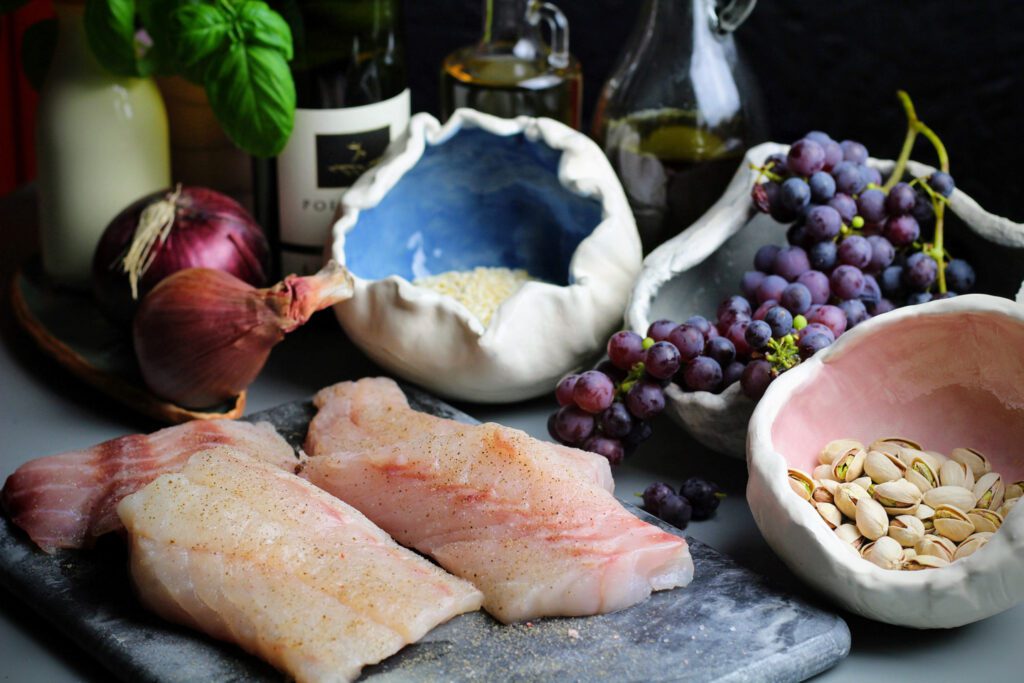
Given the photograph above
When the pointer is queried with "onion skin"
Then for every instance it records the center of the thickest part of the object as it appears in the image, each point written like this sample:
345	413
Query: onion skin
202	335
211	230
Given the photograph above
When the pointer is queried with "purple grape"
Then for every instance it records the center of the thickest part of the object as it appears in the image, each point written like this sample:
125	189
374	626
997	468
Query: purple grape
819	136
796	298
702	324
823	223
902	230
805	157
625	349
573	425
765	257
872	292
845	205
771	288
615	374
737	334
855	251
891	281
960	275
831	317
730	318
816	328
823	256
901	199
563	390
703	496
757	334
817	284
879	307
616	422
871	205
811	344
794	195
847	282
763	309
676	510
919	298
732	373
654	495
920	272
703	374
734	303
882	254
594	391
941	183
552	430
849	179
777	162
855	311
662	360
688	340
833	154
796	235
790	263
870	229
854	151
645	399
609	448
720	350
756	378
823	187
872	176
659	329
780	321
750	282
924	212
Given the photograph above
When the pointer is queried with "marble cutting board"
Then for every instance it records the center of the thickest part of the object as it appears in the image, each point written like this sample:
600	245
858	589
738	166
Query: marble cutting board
729	624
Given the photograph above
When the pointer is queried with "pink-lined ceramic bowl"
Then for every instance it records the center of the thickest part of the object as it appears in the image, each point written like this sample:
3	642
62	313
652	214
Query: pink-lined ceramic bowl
946	374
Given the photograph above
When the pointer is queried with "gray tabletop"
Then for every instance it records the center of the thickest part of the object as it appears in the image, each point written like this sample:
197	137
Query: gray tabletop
44	410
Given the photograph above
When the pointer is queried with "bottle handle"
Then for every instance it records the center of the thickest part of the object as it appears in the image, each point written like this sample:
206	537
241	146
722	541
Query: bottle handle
559	27
726	17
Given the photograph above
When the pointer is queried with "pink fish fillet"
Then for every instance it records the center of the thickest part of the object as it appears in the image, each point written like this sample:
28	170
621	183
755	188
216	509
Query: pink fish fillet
500	509
69	500
254	555
373	412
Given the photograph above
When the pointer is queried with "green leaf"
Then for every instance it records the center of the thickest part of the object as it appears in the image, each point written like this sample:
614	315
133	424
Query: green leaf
263	26
156	19
199	33
37	46
110	28
253	96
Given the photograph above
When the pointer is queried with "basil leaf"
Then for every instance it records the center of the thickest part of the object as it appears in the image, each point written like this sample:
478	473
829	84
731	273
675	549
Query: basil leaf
253	96
110	29
199	33
263	26
156	18
37	46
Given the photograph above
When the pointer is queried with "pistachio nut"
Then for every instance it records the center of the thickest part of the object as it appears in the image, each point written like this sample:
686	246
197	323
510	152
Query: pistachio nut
909	455
952	522
872	521
970	546
921	474
953	473
849	465
823	473
1014	490
989	491
846	498
1008	505
985	520
883	467
936	546
849	533
926	514
973	459
886	553
906	530
902	442
956	496
801	483
823	495
898	497
919	562
833	449
830	513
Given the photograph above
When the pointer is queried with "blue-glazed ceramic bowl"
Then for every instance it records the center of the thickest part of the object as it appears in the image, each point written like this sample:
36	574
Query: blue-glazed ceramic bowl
519	193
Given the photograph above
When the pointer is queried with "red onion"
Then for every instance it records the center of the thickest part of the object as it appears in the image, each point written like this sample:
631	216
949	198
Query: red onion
202	335
168	231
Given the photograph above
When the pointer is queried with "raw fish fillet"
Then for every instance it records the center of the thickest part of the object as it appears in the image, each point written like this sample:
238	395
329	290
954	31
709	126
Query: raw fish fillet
373	412
70	499
254	555
501	509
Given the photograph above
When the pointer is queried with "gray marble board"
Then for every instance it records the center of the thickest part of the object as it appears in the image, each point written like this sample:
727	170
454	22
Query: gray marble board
729	624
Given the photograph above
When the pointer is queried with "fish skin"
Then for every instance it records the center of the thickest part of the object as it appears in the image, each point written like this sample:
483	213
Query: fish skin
68	500
374	412
251	554
500	509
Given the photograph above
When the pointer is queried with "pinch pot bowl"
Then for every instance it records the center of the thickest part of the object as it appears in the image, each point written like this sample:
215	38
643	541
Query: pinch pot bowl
484	191
948	373
694	271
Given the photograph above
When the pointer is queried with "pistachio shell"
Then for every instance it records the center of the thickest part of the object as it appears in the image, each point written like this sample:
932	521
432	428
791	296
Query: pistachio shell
973	459
883	467
846	498
989	491
822	495
849	533
886	553
939	458
906	530
919	562
909	455
953	473
802	483
849	465
872	521
830	513
909	554
900	441
897	497
823	473
985	520
936	546
922	475
863	481
969	547
833	449
1014	490
956	496
1007	506
952	522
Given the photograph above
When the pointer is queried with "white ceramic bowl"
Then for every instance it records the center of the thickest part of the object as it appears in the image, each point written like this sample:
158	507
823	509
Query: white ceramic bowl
691	273
486	191
946	374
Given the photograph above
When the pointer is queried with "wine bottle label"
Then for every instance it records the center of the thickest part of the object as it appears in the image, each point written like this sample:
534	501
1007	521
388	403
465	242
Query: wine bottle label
327	151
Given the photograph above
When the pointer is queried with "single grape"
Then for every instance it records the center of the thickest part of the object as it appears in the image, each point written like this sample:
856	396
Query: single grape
720	350
847	282
780	321
563	390
734	303
616	421
849	179
871	205
771	288
855	311
659	329
816	328
777	163
823	223
817	284
872	292
941	183
869	229
794	195
552	429
625	349
756	378
645	399
702	324
573	425
731	373
765	257
805	157
654	495
891	281
882	254
796	235
823	187
833	154
854	151
901	200
703	496
920	272
688	340
610	448
593	391
730	318
737	334
796	298
919	298
811	344
902	230
703	374
750	282
823	256
960	275
763	195
821	137
763	309
676	510
831	317
662	360
855	251
879	307
845	205
615	374
758	333
872	176
924	212
790	262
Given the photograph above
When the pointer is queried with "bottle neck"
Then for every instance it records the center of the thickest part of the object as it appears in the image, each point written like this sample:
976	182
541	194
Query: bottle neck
505	21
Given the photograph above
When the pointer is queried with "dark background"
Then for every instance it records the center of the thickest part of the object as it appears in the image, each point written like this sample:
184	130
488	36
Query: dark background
833	65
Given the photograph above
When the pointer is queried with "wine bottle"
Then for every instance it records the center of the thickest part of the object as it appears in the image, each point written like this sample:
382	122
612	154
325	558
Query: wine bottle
351	102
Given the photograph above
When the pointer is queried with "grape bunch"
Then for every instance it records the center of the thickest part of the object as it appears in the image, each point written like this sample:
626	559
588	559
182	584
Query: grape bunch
696	500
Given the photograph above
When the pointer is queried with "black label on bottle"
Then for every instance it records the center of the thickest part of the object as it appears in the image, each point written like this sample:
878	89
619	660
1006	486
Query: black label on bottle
341	158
